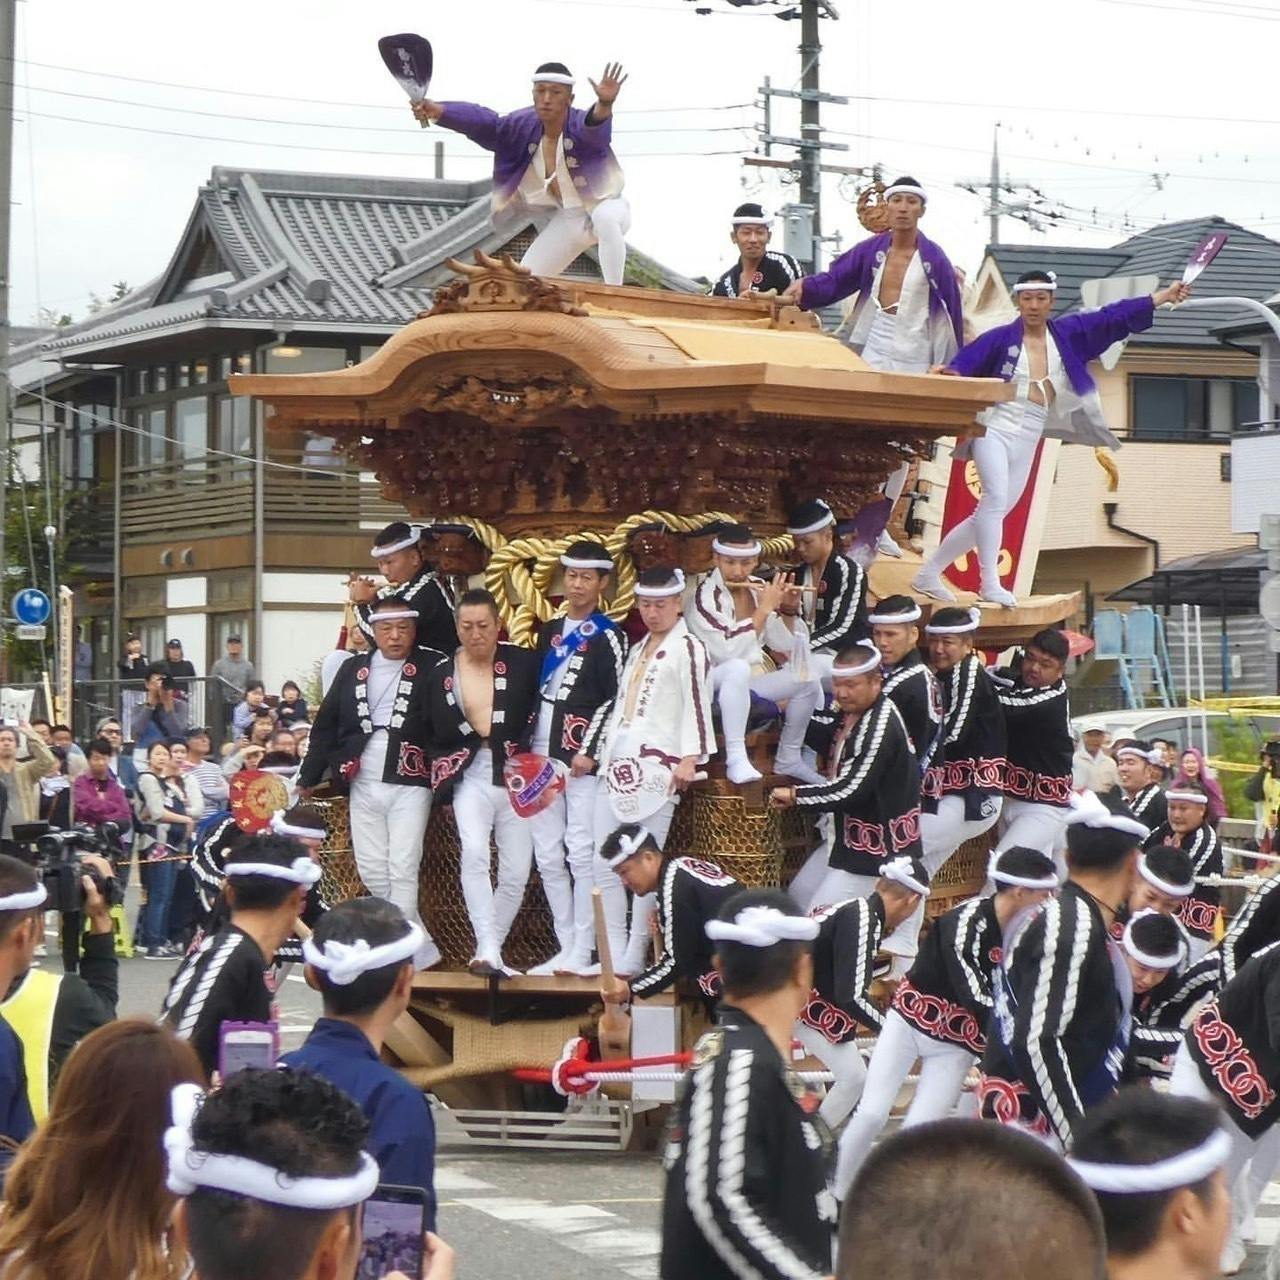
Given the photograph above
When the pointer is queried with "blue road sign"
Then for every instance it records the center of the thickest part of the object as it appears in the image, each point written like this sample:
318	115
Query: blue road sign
31	607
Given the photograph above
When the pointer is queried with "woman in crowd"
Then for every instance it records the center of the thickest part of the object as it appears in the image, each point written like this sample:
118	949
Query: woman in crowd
169	803
86	1197
1194	769
292	705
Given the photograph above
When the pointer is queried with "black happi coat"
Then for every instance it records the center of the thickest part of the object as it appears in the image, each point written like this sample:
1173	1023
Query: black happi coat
339	735
970	760
1040	747
946	995
1235	1042
1057	1038
454	742
746	1166
840	614
1149	806
690	893
776	271
431	597
1199	911
584	700
913	689
844	955
875	794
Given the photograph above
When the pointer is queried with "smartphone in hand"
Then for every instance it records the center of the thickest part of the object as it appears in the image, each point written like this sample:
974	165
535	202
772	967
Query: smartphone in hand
395	1224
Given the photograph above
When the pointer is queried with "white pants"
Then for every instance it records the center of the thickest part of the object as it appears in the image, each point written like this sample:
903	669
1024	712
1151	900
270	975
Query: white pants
563	841
943	1068
1031	826
388	824
941	834
1003	459
1185	1082
630	951
733	685
481	809
844	1061
569	232
1256	1178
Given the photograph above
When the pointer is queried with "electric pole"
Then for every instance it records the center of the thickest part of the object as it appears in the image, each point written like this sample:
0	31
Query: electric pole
811	121
1007	199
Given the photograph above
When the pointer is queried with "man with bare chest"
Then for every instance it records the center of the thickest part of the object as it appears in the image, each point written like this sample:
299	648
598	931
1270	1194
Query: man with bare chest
482	702
907	317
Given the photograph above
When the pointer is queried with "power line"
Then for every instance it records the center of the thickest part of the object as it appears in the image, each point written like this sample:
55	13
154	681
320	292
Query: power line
311	102
312	124
348	151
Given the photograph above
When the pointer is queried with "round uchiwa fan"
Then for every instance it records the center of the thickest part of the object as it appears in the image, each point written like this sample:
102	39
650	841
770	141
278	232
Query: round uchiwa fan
409	59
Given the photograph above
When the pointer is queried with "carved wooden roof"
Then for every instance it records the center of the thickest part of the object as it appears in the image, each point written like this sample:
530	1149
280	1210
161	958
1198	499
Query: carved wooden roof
516	395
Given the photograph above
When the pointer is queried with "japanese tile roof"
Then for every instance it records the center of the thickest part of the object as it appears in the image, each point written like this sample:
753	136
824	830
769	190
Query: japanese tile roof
1248	266
309	252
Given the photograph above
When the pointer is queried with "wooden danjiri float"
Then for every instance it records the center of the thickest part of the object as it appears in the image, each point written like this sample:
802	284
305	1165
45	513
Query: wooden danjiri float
539	411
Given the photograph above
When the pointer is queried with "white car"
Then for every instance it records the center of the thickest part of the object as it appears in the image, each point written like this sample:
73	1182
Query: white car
1181	725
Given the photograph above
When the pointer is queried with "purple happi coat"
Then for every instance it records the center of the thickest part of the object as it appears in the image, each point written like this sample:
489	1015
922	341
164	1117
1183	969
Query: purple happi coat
1075	416
515	138
854	272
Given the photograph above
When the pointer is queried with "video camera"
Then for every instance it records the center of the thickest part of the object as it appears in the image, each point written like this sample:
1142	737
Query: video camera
61	868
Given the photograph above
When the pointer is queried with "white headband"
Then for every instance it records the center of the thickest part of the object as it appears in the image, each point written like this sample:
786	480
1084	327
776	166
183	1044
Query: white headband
674	588
743	551
1047	286
905	189
25	900
748	220
1165	886
1048	881
895	619
282	827
762	927
958	629
344	962
828	519
392	615
415	536
1145	957
1087	810
280	770
301	870
1187	797
191	1169
861	668
629	846
552	77
1185	1170
1151	757
572	562
900	869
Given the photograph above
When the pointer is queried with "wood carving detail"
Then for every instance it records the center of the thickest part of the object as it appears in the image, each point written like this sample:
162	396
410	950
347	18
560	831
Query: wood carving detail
497	284
515	404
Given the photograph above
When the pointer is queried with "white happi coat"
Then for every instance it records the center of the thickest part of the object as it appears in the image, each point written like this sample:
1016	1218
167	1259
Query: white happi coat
672	715
710	616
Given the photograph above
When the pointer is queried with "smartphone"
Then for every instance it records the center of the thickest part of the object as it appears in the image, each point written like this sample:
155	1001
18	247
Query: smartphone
247	1044
395	1221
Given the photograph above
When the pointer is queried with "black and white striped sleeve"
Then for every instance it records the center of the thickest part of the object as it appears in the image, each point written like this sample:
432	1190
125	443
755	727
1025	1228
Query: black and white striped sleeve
728	1168
674	910
1206	853
1046	981
857	938
860	769
964	682
592	739
1256	924
1020	702
970	971
846	620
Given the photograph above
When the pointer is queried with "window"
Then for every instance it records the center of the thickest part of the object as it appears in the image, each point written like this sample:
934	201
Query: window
235	428
1176	408
287	359
191	431
149	437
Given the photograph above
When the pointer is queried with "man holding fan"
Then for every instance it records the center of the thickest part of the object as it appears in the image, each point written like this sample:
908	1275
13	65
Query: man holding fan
555	161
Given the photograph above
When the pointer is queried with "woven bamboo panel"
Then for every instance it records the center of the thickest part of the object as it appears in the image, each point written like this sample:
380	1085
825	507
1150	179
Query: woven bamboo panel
961	876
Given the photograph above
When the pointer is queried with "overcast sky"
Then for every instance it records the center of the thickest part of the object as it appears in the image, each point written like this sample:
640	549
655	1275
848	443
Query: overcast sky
1093	97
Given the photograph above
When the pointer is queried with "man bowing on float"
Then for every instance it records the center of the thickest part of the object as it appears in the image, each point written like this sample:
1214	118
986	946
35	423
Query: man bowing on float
556	162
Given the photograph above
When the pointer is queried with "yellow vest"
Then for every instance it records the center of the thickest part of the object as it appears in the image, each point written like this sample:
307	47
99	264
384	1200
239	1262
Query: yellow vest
30	1013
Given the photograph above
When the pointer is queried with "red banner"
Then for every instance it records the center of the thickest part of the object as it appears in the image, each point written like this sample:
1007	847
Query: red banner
963	490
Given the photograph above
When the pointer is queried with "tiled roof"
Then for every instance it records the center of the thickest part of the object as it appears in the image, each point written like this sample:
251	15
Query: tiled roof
1248	266
306	251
